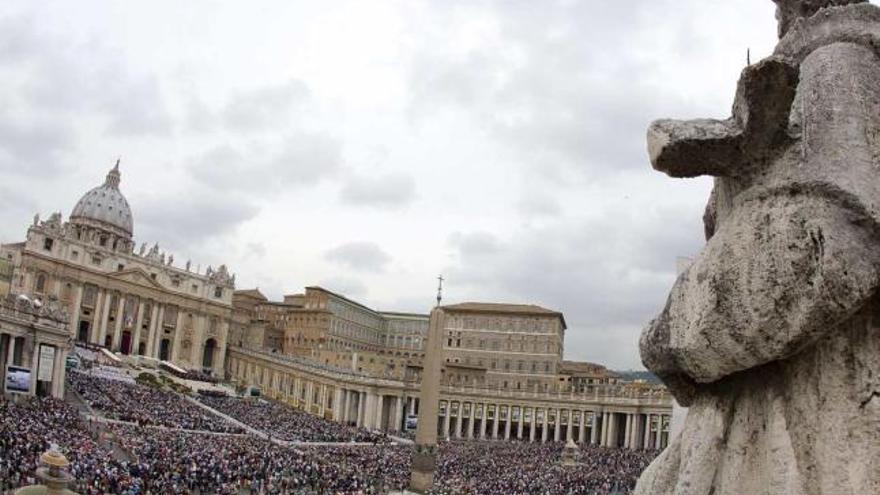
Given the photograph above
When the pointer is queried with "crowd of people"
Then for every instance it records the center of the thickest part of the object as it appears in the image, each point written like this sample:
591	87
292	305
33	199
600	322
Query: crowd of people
146	405
285	423
518	468
138	459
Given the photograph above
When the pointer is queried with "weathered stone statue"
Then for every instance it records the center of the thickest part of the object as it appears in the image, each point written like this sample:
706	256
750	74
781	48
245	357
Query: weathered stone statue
772	337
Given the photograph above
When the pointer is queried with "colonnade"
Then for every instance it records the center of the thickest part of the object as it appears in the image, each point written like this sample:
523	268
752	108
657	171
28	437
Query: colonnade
33	354
381	404
604	426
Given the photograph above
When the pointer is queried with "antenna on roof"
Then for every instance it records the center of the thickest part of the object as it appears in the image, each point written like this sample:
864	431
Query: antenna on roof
439	290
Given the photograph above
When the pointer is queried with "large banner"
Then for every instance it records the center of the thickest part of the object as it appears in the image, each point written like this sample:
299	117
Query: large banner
47	363
18	379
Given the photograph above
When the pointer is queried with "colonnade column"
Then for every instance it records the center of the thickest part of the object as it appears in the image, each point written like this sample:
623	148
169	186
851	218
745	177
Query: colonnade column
582	436
483	424
594	428
507	423
569	427
659	431
532	424
557	428
495	422
546	422
444	431
627	431
520	423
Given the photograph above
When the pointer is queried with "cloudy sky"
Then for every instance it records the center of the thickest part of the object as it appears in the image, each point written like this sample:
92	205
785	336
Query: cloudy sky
369	146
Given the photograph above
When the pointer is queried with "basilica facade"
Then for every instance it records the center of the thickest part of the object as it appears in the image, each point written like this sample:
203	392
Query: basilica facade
132	301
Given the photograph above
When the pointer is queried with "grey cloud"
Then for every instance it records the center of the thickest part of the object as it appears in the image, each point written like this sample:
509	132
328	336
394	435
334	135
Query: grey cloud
558	96
65	78
301	159
538	205
268	107
26	146
392	190
349	287
179	219
608	274
361	256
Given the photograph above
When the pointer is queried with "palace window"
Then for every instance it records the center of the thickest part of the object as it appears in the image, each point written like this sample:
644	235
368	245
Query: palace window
48	243
218	292
41	283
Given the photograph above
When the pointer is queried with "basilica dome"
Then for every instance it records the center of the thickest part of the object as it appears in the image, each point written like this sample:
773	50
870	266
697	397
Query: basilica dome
105	206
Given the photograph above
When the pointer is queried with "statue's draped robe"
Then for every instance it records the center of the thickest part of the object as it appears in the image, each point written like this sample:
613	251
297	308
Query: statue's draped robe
772	337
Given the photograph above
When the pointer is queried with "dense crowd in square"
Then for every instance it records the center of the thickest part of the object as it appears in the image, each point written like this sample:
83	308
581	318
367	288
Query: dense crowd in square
145	405
285	423
139	459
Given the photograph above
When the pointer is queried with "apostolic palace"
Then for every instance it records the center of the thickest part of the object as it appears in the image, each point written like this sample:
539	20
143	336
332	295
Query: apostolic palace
84	281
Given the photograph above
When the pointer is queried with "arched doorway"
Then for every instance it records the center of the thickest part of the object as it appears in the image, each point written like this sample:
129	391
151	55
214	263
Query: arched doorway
165	350
208	355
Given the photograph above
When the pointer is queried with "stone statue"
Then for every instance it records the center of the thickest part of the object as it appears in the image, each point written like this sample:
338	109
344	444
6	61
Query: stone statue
36	219
772	336
143	249
170	259
188	264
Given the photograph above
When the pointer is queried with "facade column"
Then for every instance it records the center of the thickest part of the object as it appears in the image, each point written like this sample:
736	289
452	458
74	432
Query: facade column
74	315
136	341
58	372
398	413
35	371
178	334
508	422
97	310
647	434
495	422
117	325
483	424
471	420
151	329
105	315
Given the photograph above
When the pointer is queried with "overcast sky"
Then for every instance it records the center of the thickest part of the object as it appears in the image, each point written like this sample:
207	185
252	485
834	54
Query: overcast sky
368	146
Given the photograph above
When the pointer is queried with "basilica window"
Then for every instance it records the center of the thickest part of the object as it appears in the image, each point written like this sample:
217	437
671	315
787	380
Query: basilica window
48	243
218	292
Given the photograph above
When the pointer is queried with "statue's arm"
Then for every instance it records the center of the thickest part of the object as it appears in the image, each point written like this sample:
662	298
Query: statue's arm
779	273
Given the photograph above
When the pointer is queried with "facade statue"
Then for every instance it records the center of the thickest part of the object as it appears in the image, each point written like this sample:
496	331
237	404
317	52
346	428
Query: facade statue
772	336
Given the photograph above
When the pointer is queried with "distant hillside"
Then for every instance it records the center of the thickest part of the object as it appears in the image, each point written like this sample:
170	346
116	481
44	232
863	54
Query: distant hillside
638	375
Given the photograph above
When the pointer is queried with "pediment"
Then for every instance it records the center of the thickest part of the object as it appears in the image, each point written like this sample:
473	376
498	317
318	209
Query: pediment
136	276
